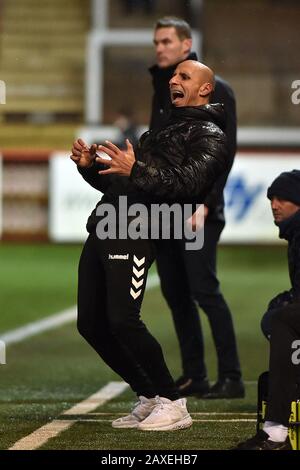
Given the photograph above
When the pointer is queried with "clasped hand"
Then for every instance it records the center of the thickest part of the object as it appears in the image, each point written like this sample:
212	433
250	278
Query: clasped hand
121	161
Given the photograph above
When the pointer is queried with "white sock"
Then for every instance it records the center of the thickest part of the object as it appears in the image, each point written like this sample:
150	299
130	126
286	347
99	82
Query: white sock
277	432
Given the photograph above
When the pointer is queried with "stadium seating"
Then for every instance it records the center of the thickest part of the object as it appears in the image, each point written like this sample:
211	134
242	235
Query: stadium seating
41	59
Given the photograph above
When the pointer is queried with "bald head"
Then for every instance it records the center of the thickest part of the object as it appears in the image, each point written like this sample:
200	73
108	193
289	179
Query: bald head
191	84
204	73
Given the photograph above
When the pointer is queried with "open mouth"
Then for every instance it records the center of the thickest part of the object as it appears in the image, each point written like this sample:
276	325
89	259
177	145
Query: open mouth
176	94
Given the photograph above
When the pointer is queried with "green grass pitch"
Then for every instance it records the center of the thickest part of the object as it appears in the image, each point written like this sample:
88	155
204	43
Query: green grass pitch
51	372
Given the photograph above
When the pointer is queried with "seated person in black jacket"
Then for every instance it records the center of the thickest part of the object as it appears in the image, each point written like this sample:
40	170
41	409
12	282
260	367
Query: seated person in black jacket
281	323
177	164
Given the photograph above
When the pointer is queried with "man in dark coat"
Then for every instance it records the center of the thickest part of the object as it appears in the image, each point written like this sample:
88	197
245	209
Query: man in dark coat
189	276
281	323
285	188
177	164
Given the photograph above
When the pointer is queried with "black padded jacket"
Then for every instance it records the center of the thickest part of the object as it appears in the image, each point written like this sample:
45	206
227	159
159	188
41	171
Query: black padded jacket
178	163
223	93
289	229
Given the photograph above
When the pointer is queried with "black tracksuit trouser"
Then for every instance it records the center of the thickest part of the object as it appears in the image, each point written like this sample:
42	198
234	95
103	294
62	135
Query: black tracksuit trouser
189	276
284	371
111	284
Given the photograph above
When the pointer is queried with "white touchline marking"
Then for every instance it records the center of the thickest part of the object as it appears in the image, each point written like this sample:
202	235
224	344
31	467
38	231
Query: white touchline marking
111	390
242	420
152	281
40	436
233	420
55	320
36	327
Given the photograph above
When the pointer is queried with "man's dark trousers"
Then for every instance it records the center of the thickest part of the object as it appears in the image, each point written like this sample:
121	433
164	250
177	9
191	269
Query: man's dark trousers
284	375
111	284
189	276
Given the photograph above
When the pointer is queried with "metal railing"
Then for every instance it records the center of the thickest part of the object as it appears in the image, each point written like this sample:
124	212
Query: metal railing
98	39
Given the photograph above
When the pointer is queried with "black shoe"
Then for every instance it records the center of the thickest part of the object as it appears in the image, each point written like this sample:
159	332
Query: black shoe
261	442
181	380
189	387
226	388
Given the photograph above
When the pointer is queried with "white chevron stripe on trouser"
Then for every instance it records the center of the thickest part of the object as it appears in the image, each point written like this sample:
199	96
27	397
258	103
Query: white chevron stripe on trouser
137	284
137	261
135	295
138	273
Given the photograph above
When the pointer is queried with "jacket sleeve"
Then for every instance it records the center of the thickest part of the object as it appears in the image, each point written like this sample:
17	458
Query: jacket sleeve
295	291
292	295
215	195
91	176
206	160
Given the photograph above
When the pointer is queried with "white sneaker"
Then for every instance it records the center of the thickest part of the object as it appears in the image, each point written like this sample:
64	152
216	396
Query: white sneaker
167	415
140	411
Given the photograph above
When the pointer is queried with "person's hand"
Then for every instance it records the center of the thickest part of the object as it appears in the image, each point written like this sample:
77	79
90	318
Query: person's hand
82	154
281	300
196	222
121	161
